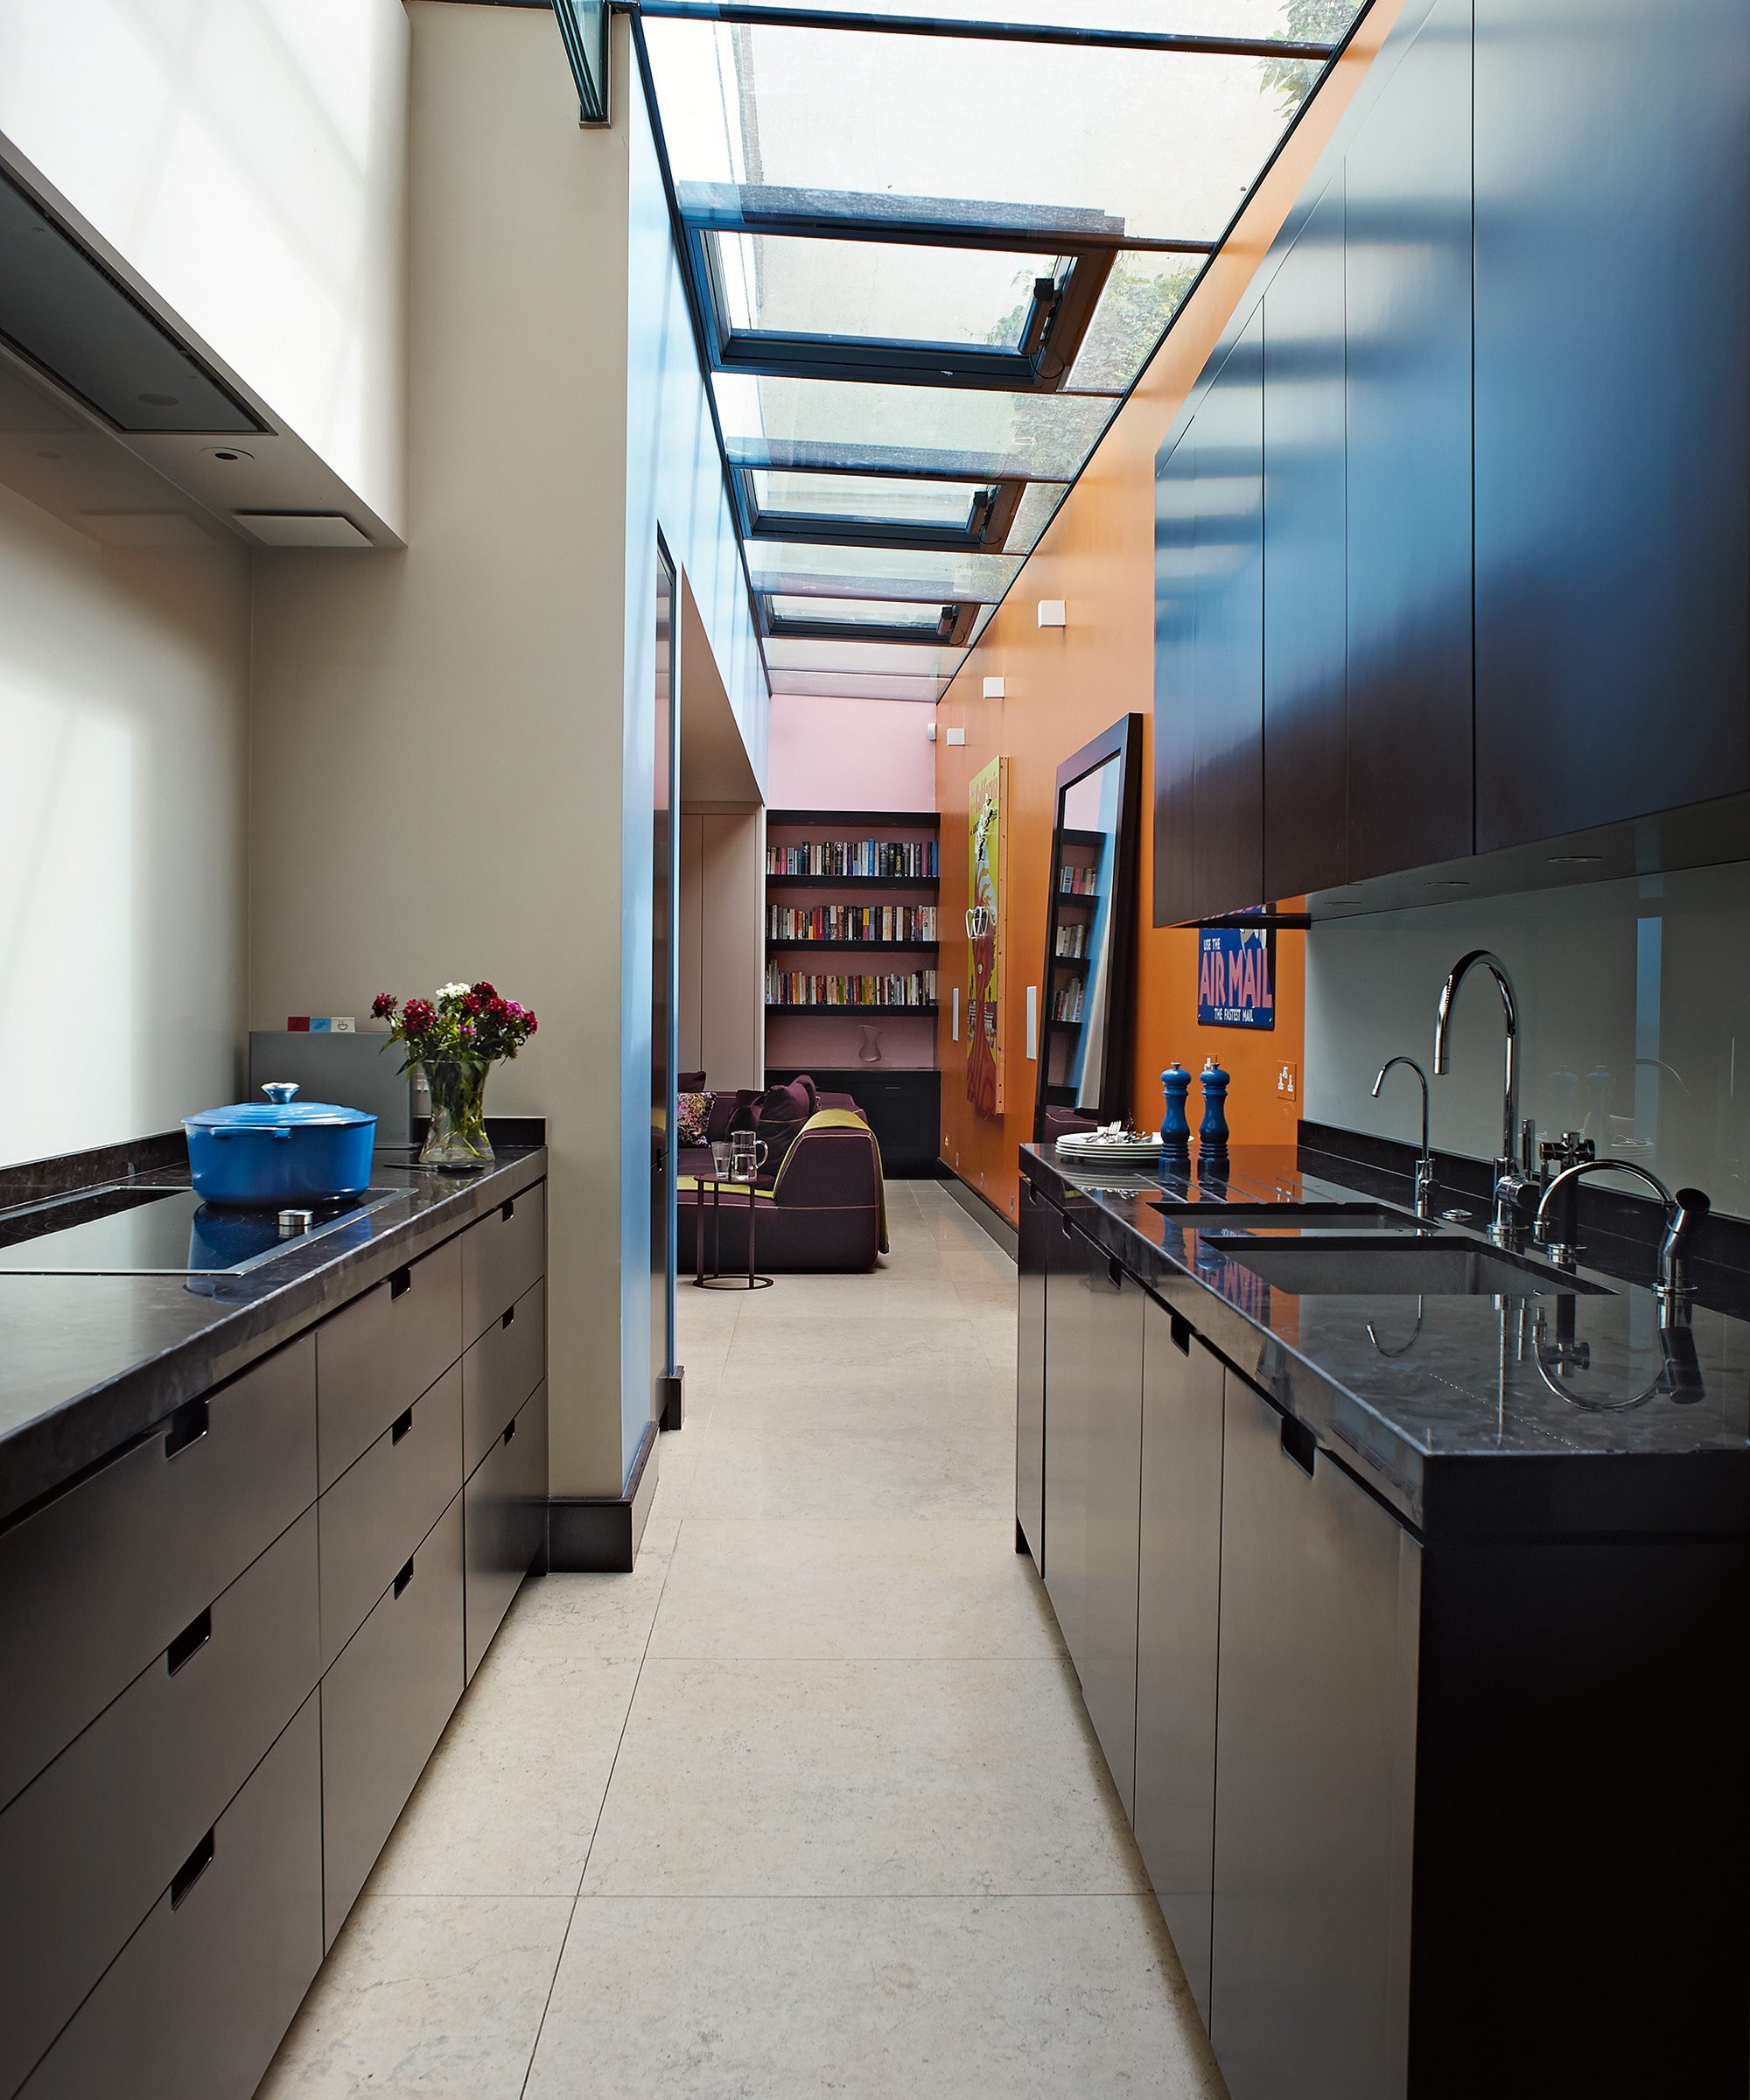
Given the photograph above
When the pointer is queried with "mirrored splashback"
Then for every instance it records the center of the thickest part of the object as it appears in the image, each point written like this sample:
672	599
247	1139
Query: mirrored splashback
1634	1022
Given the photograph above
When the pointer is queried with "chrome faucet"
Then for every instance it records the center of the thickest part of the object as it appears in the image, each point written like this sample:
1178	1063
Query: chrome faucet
1683	1214
1510	1183
1424	1165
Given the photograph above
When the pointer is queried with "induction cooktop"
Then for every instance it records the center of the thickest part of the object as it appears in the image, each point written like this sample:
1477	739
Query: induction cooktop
134	1228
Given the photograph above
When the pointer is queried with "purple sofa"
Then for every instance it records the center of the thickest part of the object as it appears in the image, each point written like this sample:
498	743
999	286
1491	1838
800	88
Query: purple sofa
823	1211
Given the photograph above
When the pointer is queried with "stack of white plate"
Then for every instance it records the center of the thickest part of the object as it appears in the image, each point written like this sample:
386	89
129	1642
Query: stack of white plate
1111	1148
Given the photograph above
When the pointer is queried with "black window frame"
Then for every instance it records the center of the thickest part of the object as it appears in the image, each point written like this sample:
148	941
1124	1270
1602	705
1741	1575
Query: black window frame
986	529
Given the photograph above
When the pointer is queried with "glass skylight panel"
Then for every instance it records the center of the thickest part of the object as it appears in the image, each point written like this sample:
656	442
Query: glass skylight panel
1140	298
873	289
1039	501
860	612
953	429
1162	18
878	658
946	505
1168	142
795	570
858	685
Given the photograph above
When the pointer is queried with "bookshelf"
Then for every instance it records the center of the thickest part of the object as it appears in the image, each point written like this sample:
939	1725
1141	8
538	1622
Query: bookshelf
853	917
1081	879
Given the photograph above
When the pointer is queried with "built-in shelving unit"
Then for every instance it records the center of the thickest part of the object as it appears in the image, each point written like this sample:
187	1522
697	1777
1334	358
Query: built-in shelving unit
843	957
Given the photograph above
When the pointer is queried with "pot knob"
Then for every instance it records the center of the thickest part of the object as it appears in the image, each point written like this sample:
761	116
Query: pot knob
279	1091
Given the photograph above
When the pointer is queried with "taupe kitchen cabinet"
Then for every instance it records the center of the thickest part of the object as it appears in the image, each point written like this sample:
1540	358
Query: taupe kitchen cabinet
1039	1222
230	1650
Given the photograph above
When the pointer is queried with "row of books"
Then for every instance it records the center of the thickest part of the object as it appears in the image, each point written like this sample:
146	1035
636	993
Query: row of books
801	988
1079	882
1067	1006
888	857
1072	940
852	923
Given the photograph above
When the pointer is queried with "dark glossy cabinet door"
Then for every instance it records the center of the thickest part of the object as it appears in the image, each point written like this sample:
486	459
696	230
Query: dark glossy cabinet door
1107	1661
1305	784
1613	329
1315	1774
1069	1342
1178	1613
1175	679
1407	294
1227	685
1039	1223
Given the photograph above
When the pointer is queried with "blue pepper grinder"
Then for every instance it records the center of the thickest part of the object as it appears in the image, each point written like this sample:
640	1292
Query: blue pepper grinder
1212	1132
1175	1125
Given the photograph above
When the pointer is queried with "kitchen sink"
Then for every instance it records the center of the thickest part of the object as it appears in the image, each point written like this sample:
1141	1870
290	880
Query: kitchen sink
1441	1267
1292	1217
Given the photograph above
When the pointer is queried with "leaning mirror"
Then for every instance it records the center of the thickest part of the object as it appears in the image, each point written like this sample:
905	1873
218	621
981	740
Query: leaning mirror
1087	988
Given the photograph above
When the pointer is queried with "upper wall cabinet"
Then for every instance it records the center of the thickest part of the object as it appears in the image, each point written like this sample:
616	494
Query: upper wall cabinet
1305	788
1613	315
1407	270
1209	648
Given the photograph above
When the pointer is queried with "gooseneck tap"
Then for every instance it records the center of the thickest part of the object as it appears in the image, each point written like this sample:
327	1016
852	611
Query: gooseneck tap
1424	1165
1509	1186
1684	1212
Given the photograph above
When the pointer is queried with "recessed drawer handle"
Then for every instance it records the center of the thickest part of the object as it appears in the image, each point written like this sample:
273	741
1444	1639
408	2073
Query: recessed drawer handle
1299	1444
508	1211
1068	1231
1115	1273
404	1579
400	1282
510	1431
400	1427
508	1317
1181	1333
187	1425
190	1871
193	1637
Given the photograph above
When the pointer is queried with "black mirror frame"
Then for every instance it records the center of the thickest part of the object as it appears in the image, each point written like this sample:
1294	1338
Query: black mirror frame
1124	741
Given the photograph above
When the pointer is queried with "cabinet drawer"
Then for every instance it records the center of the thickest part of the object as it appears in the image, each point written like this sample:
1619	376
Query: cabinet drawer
194	2005
88	1847
384	1704
375	1358
501	1371
505	1519
103	1578
384	1503
501	1257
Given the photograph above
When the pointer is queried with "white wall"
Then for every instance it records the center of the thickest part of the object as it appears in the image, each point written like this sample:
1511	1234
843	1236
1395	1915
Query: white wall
723	946
248	160
123	718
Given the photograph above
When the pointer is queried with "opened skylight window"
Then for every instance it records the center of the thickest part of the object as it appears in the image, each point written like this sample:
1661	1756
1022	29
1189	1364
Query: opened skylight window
925	295
850	497
868	619
794	568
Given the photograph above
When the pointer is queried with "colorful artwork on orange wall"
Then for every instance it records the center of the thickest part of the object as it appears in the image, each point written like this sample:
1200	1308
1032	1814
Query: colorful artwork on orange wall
986	812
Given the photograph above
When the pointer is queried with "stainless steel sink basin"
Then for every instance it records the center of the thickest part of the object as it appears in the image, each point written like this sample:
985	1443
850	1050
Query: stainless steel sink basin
1442	1267
1292	1217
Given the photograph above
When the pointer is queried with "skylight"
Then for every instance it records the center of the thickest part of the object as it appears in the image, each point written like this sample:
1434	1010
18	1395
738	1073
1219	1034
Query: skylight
929	252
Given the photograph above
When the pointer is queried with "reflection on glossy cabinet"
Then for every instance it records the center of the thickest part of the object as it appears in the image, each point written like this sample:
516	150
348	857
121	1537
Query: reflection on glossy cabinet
1107	1663
1407	293
1321	1592
1039	1223
1068	1340
1612	294
1179	1605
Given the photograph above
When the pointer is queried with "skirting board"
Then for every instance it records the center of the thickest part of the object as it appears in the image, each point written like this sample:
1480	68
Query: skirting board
985	1214
599	1534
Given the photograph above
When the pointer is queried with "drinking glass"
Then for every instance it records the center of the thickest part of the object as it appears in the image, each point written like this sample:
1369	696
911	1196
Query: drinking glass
720	1157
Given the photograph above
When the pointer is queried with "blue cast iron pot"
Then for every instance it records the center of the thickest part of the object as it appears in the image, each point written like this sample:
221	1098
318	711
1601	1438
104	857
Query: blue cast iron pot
280	1151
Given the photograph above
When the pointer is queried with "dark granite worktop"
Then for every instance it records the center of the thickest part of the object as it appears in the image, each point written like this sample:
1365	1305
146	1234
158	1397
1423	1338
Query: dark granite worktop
1438	1404
88	1363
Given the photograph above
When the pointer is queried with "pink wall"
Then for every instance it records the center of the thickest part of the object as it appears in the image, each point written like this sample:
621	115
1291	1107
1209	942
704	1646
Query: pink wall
849	754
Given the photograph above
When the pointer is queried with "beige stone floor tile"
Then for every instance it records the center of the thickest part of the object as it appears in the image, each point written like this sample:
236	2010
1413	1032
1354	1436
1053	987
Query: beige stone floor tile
438	1996
793	1589
860	1779
508	1805
940	1469
559	1621
1041	1998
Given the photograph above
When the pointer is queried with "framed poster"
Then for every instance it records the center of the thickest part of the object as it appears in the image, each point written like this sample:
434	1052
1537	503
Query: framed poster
1236	977
986	827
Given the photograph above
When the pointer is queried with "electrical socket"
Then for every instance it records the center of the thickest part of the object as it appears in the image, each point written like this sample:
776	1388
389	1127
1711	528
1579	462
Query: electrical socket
1288	1082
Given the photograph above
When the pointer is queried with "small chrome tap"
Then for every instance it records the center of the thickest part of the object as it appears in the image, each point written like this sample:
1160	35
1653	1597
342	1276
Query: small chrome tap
1684	1212
1509	1185
1424	1165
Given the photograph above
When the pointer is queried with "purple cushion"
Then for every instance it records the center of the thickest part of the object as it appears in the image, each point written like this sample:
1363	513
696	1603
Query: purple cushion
782	1111
691	1082
723	1109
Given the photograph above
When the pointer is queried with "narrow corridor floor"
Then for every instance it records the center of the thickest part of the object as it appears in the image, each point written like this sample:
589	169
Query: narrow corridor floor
808	1803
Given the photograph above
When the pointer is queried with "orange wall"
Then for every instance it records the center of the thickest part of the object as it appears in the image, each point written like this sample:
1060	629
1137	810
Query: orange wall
1064	685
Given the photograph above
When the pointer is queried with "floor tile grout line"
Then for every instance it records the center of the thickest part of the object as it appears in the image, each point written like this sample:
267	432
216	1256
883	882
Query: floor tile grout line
546	2002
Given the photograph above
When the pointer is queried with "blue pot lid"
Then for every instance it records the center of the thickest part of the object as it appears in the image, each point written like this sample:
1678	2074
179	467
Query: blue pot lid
278	1110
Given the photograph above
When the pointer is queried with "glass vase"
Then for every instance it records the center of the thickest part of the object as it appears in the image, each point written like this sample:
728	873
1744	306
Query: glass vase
457	1139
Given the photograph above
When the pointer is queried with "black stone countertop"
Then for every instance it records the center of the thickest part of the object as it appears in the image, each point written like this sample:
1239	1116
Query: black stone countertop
1441	1410
89	1363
